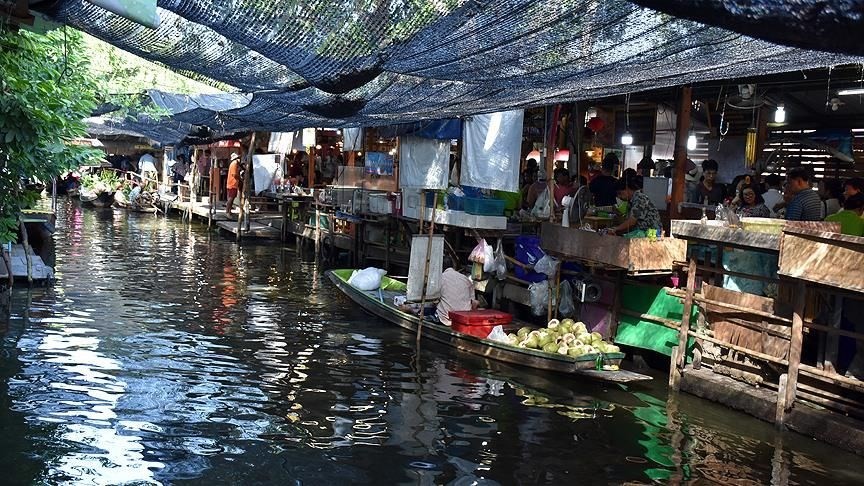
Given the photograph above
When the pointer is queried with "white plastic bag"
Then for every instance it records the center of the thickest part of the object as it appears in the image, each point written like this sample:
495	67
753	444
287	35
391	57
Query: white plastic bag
547	265
367	279
498	335
500	261
488	257
542	207
478	254
539	297
484	255
565	297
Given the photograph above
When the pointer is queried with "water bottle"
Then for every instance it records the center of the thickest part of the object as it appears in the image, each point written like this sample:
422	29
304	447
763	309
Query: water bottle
720	212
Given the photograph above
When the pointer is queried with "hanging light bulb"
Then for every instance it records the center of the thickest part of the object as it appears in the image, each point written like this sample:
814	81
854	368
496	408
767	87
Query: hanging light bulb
780	114
627	138
691	141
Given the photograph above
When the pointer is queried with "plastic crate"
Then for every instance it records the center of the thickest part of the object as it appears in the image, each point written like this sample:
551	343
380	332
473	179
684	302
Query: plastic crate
484	207
478	323
455	203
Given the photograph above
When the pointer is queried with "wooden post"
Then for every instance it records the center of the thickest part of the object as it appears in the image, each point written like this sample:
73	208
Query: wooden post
795	342
682	126
350	160
550	161
680	354
426	265
780	411
25	243
310	172
616	305
244	194
552	308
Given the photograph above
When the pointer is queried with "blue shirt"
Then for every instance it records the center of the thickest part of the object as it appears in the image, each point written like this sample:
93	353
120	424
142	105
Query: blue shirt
805	206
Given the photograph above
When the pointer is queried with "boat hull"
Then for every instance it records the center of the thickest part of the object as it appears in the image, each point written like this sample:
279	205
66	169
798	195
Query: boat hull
486	348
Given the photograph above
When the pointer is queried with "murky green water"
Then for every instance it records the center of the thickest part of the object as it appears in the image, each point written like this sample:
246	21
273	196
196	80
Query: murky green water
163	354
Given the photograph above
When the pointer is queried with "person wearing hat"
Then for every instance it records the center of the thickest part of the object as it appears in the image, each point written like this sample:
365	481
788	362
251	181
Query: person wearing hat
233	183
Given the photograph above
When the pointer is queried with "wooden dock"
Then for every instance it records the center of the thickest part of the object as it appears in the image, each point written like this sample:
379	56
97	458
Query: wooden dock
255	229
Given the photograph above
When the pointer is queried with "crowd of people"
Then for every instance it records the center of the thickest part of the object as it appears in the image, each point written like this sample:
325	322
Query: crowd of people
795	198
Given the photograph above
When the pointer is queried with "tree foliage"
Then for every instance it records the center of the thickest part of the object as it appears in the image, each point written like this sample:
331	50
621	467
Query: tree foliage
46	91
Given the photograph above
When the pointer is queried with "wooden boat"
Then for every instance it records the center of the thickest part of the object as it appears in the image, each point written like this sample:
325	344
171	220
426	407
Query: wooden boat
380	304
100	200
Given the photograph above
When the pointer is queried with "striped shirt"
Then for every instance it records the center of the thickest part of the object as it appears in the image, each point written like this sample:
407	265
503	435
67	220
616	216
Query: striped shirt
805	206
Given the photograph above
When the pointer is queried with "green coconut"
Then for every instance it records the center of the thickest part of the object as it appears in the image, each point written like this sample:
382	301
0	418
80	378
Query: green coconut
550	348
523	332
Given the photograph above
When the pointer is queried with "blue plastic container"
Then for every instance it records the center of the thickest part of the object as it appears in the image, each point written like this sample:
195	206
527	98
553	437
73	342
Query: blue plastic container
455	203
469	191
484	207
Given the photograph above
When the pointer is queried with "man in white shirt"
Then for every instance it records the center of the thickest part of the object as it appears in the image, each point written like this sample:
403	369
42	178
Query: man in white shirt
772	196
457	294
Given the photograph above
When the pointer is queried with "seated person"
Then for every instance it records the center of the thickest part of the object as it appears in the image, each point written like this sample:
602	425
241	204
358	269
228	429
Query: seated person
751	203
642	215
457	293
563	185
850	216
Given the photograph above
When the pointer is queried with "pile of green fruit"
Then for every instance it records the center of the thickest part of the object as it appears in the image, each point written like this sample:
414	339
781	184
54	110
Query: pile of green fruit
565	337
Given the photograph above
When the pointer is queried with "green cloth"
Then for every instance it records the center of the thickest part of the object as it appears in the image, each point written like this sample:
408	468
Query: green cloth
850	222
654	301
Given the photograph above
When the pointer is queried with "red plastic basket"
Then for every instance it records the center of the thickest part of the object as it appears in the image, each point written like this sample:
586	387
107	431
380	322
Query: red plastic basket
478	323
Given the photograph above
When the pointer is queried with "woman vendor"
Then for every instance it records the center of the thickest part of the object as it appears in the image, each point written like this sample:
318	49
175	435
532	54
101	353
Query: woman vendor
751	203
641	216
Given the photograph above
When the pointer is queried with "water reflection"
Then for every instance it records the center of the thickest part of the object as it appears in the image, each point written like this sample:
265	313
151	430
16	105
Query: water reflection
164	353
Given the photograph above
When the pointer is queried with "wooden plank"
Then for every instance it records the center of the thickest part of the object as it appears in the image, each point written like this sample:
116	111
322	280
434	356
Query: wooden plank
631	254
824	258
797	339
693	229
730	331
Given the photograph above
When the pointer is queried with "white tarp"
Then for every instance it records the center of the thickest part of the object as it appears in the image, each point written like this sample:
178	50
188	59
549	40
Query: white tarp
424	162
265	169
281	142
352	139
493	145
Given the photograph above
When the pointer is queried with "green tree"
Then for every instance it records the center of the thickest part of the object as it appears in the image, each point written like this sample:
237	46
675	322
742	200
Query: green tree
46	90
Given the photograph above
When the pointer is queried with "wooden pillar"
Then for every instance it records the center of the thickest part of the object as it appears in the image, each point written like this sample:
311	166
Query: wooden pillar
682	126
551	137
679	355
310	173
246	189
350	159
796	340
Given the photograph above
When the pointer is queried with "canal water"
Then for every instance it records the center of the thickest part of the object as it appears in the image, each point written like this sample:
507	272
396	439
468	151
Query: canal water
165	354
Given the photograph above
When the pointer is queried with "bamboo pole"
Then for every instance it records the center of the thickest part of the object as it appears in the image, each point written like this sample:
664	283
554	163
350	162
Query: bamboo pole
426	265
678	358
797	340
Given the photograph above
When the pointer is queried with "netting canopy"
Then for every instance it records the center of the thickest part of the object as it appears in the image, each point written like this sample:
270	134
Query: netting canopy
369	62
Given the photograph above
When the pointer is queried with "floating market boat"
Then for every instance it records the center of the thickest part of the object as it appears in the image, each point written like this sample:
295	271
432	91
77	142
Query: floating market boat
93	198
380	303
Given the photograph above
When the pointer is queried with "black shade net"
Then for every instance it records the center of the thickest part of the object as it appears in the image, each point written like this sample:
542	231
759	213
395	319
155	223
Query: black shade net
371	62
